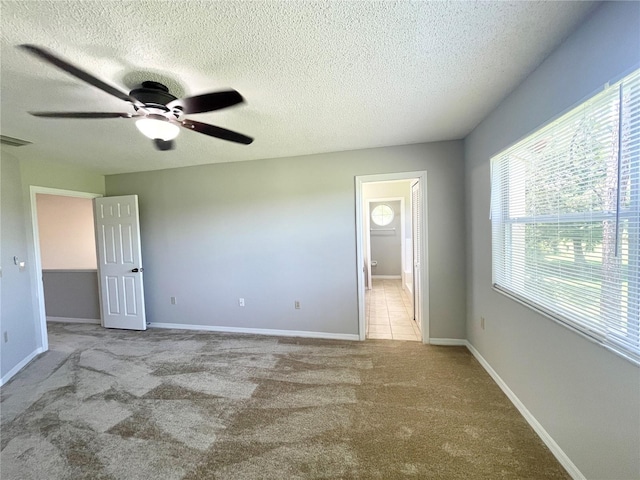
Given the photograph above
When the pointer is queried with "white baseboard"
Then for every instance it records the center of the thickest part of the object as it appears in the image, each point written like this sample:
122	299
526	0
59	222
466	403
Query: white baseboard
74	320
454	342
386	277
20	365
562	457
258	331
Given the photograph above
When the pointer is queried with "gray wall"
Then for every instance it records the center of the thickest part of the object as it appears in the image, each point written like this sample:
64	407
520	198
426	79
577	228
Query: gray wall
71	294
19	304
386	244
275	231
16	311
586	397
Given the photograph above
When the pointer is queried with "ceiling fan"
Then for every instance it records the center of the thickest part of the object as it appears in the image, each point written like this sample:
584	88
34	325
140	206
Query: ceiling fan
159	114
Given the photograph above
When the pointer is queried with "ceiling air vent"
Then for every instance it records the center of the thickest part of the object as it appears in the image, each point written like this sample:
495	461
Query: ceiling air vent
14	142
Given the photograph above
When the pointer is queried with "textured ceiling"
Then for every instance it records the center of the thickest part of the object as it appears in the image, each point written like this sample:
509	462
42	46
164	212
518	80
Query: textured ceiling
316	76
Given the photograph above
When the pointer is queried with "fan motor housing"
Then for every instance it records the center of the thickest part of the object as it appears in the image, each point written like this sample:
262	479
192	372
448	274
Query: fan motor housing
153	93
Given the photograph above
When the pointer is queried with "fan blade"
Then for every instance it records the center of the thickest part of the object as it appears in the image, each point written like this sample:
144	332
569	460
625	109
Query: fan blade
164	144
83	115
208	102
78	73
217	132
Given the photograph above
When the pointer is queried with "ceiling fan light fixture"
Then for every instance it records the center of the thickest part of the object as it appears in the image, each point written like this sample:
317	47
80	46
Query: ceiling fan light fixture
161	111
158	128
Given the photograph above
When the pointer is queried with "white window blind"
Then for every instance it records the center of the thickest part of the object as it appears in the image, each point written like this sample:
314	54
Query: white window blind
565	212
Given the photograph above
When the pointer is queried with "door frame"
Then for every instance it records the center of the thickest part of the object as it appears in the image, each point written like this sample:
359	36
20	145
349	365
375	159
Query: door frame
41	314
415	279
360	233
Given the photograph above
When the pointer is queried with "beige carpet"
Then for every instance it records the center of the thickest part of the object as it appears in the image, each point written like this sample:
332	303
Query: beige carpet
163	405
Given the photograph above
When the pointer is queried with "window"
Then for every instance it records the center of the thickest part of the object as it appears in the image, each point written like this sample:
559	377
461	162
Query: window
565	214
382	215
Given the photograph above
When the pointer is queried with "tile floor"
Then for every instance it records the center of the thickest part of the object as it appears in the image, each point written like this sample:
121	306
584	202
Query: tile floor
389	312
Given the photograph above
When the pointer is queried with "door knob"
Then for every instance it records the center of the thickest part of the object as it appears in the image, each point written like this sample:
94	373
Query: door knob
138	270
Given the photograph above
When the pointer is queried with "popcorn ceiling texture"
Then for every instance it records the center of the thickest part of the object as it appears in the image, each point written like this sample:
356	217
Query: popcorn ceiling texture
317	76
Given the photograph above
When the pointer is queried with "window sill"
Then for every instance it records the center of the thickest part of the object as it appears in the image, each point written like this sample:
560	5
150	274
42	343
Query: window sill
593	338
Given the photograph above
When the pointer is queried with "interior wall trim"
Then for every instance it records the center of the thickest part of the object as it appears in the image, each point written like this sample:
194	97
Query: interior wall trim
20	365
258	331
74	270
95	321
548	440
451	342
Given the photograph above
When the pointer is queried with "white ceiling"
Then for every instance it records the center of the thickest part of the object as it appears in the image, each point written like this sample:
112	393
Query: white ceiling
316	76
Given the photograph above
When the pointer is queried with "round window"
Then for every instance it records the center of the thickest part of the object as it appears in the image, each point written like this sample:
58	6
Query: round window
382	215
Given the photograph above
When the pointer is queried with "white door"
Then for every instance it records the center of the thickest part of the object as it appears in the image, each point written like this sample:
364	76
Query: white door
119	262
416	215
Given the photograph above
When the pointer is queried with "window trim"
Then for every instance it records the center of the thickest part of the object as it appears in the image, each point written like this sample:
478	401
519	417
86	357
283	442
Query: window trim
593	335
590	336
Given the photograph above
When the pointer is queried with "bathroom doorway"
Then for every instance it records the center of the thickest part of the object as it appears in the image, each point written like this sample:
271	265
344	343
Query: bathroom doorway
392	305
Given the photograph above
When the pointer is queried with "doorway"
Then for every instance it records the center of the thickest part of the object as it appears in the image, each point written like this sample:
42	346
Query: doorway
386	243
404	283
60	267
118	257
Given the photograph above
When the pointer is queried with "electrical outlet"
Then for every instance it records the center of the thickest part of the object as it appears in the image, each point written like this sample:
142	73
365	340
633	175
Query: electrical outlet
173	300
5	336
241	302
482	323
297	304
